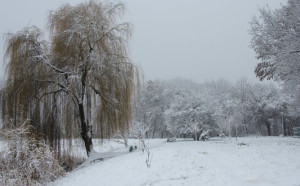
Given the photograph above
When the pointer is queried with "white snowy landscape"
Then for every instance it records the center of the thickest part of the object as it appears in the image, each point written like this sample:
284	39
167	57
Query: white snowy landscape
85	100
263	161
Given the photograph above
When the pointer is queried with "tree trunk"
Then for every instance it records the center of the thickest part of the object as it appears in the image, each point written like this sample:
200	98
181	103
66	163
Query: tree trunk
236	131
268	125
195	136
284	128
86	131
153	132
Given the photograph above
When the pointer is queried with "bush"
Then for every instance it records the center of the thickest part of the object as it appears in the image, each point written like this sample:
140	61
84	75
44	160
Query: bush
171	139
26	160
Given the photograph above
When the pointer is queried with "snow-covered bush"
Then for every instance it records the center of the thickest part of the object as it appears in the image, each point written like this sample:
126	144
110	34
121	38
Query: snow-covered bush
138	131
24	160
204	136
171	139
122	137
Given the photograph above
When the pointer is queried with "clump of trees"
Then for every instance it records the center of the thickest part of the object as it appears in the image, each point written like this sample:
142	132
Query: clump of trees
80	83
242	109
184	108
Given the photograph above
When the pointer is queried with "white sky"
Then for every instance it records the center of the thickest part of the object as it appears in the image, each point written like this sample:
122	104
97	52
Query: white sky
194	39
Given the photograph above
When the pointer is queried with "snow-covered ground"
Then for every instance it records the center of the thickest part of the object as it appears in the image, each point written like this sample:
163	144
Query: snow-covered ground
248	161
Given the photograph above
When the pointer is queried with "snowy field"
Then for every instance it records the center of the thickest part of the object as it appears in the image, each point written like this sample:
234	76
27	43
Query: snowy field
249	161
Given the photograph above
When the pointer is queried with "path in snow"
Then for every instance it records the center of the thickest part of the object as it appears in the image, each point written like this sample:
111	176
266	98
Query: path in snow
258	161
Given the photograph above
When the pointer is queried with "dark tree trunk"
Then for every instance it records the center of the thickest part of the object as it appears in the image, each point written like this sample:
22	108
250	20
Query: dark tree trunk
153	133
284	127
86	131
268	125
195	137
86	127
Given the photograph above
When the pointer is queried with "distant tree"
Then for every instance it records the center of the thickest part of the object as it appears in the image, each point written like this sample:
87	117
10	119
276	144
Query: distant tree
241	109
189	115
84	77
152	102
218	94
266	103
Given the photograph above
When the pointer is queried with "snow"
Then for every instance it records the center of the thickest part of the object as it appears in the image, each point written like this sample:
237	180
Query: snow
247	161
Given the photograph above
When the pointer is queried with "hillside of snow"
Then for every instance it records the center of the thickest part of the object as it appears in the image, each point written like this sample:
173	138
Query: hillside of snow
248	161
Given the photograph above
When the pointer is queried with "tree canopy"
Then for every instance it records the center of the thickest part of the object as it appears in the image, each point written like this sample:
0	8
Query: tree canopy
275	40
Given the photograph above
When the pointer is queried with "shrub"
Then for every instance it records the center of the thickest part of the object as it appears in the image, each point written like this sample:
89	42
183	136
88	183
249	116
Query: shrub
26	160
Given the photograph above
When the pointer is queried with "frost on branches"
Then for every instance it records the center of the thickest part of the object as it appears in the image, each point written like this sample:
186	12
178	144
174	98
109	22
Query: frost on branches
275	39
25	160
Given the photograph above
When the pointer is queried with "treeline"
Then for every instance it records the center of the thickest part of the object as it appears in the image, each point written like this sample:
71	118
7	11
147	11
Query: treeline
184	108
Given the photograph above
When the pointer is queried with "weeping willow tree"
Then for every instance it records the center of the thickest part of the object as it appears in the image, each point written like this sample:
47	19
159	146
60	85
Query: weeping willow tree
81	83
23	52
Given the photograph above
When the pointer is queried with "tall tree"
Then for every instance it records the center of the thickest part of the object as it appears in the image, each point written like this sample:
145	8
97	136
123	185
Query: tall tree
275	39
86	77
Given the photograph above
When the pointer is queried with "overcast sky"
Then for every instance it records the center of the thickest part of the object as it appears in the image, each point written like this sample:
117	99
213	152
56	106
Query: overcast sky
194	39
